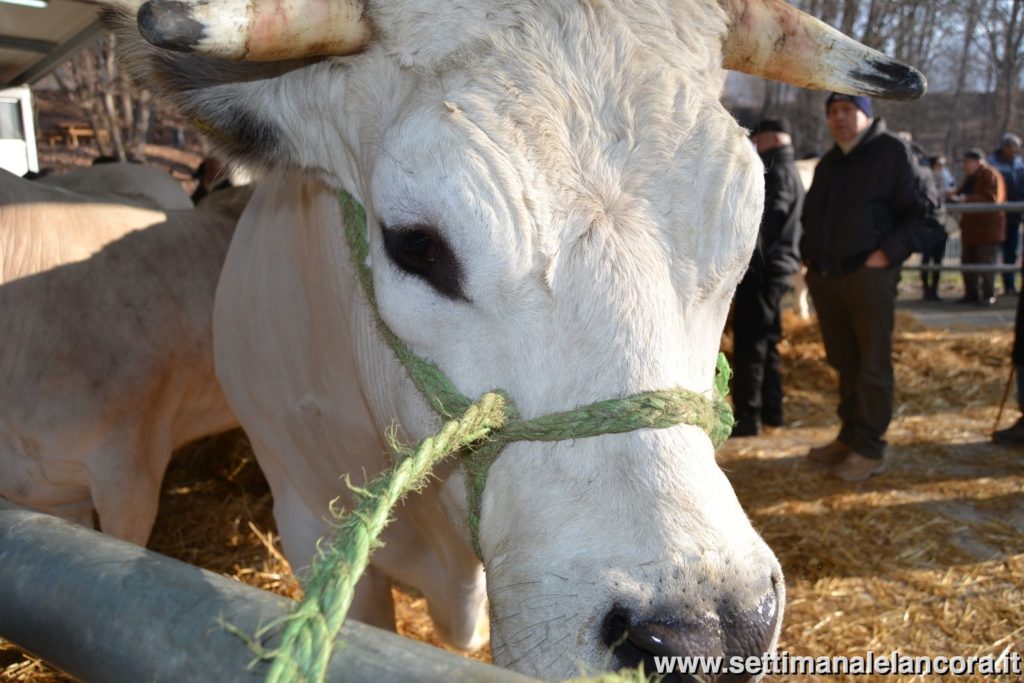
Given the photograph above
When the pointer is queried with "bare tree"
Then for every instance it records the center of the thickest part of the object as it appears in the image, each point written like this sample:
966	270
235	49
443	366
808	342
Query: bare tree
79	81
971	9
117	110
1001	40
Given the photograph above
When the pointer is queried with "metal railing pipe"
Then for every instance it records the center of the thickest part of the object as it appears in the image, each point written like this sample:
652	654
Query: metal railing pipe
965	267
108	611
984	207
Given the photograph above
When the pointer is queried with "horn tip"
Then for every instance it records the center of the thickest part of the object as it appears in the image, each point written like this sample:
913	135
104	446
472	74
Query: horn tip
169	24
892	80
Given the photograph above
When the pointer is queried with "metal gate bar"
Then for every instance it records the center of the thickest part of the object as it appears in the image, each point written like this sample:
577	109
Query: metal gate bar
108	611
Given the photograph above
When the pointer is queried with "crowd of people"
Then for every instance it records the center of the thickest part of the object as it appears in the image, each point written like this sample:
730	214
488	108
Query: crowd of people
875	200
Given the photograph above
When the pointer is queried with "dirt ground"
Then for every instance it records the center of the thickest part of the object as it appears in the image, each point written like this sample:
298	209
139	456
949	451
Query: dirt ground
927	558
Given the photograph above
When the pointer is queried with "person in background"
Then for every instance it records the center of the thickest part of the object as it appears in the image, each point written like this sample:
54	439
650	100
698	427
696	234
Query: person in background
919	153
757	321
1014	434
211	176
981	234
941	174
870	206
1007	161
933	253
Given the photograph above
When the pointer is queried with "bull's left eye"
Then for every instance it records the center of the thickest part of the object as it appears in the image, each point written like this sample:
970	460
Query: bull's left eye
420	251
413	250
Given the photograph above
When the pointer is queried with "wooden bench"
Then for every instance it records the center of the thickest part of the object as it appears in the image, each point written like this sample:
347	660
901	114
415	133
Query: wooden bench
73	130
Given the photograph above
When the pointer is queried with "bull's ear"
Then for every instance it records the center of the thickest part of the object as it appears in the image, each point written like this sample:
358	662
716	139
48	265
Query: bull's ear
772	39
223	98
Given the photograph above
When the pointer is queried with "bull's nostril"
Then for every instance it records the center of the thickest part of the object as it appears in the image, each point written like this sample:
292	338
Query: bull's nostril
614	627
660	639
636	642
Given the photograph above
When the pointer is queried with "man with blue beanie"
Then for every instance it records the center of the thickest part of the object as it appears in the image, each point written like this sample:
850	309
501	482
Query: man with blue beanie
870	206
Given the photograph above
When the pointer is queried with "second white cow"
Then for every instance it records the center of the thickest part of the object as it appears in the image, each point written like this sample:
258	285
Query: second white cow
106	351
124	183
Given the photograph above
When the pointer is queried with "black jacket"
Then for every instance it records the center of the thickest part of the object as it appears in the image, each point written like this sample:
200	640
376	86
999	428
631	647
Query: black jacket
777	253
875	197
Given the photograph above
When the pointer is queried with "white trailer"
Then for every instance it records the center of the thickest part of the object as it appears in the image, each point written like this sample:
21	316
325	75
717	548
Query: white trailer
17	131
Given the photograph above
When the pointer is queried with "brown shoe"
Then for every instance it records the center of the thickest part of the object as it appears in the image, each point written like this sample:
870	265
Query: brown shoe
856	467
829	454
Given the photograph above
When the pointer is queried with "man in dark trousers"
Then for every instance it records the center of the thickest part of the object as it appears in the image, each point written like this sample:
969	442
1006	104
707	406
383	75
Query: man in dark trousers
870	206
1007	161
1014	434
757	324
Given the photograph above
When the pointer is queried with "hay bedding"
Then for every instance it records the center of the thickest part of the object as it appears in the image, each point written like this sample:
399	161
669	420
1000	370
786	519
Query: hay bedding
927	558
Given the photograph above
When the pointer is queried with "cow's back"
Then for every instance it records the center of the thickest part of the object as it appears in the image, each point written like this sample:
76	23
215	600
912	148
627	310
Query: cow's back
141	185
43	226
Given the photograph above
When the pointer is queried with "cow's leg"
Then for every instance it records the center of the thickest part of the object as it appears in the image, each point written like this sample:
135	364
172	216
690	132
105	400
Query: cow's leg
79	513
373	603
300	529
31	477
126	476
448	575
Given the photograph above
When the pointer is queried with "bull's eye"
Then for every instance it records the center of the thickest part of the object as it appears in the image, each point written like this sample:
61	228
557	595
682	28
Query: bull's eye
420	251
413	250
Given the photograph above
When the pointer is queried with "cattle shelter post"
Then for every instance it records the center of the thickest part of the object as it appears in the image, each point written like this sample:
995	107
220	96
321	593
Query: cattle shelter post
105	610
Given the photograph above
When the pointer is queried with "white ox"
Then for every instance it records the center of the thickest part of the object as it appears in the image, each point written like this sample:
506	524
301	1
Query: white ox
124	182
106	355
559	207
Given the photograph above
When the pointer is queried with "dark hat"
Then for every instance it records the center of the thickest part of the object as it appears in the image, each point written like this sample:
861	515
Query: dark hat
771	126
860	101
974	153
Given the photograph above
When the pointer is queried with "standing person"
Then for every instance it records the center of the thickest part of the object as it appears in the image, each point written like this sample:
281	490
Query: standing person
870	206
1011	167
1014	434
211	176
940	174
981	234
935	250
757	324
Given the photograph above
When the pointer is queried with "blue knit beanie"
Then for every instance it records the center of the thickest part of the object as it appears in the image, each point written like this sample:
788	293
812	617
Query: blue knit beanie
860	101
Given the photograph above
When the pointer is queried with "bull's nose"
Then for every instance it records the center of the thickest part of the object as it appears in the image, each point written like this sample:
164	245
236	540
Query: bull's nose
732	632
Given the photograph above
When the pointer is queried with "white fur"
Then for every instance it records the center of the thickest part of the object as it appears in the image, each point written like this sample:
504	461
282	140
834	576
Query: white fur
603	206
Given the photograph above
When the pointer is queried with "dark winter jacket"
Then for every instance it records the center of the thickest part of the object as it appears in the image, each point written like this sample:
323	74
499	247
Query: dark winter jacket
875	197
1013	175
777	254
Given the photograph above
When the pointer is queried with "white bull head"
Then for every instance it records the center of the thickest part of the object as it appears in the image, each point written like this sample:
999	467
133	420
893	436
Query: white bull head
559	207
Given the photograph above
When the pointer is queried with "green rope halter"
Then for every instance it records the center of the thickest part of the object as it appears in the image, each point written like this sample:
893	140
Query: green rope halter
476	430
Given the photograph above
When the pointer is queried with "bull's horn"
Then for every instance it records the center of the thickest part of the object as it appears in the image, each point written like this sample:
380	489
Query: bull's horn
256	30
773	39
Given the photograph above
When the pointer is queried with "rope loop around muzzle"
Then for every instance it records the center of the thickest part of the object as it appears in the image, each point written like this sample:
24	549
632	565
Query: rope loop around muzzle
477	431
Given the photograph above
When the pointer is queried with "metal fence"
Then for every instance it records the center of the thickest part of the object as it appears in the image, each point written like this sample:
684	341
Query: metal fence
954	247
107	611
